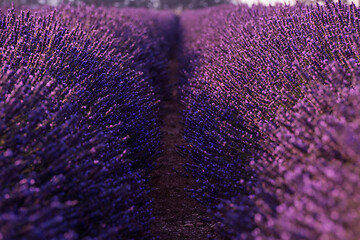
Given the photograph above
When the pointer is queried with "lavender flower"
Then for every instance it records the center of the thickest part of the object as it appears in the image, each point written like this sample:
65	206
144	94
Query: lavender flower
245	72
79	124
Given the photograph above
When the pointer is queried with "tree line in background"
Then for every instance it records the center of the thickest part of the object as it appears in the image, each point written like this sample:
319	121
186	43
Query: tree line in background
157	4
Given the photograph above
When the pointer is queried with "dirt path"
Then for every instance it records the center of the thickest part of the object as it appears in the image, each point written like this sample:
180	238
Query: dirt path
177	215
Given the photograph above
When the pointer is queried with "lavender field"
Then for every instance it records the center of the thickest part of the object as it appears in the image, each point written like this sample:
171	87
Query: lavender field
230	122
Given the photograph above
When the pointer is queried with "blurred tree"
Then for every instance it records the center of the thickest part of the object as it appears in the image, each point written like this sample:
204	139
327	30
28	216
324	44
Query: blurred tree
157	4
190	4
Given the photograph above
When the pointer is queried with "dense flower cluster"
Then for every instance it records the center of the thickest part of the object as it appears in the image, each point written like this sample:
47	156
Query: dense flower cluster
309	172
79	125
310	175
271	120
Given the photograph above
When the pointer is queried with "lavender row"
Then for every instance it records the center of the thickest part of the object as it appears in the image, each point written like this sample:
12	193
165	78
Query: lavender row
79	125
309	173
245	72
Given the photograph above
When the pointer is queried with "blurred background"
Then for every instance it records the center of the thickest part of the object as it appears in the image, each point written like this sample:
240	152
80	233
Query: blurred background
157	4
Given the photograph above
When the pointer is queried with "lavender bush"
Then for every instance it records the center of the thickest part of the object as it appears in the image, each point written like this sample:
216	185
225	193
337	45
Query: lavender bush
308	175
79	125
248	75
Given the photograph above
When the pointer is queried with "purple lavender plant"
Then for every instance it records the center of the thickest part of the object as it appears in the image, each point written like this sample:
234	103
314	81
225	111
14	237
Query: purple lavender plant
241	66
79	125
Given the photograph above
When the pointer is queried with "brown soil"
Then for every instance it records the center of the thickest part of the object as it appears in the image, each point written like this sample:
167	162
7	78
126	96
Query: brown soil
177	215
